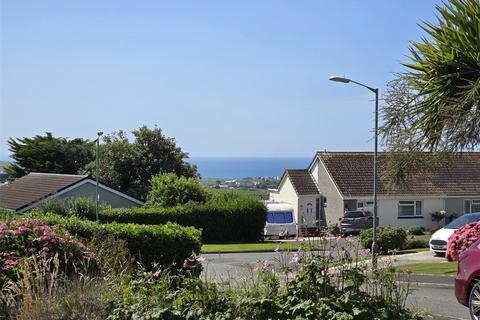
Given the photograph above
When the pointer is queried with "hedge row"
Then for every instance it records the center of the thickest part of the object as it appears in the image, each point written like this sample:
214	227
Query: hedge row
242	220
163	244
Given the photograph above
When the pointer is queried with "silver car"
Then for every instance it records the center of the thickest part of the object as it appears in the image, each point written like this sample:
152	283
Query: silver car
355	221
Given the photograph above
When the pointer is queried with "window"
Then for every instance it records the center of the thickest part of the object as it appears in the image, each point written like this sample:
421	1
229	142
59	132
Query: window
472	205
309	208
280	217
409	208
355	214
364	204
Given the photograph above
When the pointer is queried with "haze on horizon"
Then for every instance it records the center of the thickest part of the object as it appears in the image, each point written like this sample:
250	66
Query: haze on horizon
242	78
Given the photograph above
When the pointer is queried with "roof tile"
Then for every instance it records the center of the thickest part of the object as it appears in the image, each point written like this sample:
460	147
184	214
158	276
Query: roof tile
352	172
34	187
302	181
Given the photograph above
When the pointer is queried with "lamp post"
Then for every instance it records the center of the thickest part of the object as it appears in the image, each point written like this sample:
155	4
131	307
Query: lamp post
97	170
374	232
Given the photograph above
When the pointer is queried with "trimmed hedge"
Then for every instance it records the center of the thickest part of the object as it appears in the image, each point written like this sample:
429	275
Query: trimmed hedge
163	244
233	220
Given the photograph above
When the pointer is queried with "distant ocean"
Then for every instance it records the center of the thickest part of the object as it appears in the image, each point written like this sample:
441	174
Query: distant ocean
243	167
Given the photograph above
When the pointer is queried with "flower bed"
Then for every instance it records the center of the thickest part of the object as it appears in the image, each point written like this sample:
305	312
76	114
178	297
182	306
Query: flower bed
24	238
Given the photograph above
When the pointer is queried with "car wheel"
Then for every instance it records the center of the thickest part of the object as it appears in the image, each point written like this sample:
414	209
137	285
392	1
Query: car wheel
474	301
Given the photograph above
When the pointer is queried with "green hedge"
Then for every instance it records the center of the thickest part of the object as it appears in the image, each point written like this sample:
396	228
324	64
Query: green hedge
164	244
242	220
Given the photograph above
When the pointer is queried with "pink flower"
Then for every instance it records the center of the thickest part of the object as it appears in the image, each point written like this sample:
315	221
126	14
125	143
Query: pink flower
277	249
267	264
294	259
256	269
366	251
185	264
200	259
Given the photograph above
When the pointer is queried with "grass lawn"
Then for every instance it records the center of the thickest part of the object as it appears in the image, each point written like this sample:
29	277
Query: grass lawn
257	246
436	268
270	246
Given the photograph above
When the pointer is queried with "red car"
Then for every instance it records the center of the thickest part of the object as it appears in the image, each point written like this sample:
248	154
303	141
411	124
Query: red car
467	282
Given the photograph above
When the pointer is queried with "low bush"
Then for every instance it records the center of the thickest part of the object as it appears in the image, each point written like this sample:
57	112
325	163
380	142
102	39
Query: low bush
232	219
388	238
461	239
55	205
84	207
163	244
26	238
413	243
415	230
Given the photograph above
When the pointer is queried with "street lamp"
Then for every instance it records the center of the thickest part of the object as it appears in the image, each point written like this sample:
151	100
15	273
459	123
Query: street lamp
97	170
374	233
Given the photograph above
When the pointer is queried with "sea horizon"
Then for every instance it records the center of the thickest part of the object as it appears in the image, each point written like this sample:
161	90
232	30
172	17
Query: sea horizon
238	167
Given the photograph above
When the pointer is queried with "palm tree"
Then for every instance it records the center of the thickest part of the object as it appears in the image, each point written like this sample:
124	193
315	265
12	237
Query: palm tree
435	104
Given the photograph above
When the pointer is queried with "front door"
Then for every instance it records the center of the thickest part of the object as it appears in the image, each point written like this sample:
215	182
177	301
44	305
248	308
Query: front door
309	216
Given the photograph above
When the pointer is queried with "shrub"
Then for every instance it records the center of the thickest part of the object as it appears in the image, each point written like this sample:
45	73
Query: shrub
237	219
25	238
415	230
169	190
54	205
461	239
84	207
416	243
81	206
163	244
388	238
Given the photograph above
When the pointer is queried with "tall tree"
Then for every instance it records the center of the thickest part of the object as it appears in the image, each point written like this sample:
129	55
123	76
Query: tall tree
435	104
129	166
48	154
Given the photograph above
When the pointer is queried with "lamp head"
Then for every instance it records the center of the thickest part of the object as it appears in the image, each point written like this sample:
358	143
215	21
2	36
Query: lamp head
339	79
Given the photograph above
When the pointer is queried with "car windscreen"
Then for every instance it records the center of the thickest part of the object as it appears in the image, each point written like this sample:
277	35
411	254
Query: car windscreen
280	217
354	214
463	220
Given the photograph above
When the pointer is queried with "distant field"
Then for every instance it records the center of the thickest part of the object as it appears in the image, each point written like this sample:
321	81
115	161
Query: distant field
3	164
257	193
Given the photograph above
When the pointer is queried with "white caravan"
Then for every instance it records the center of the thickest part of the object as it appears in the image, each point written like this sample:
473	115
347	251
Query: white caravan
280	221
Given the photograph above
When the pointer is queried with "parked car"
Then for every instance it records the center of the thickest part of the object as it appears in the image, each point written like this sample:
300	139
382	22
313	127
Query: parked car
356	221
438	240
467	285
280	220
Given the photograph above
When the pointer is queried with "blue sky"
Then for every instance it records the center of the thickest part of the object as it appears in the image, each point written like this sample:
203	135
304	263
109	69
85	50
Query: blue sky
225	78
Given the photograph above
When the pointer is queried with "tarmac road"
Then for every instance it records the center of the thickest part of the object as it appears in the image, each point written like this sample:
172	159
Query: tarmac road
438	302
